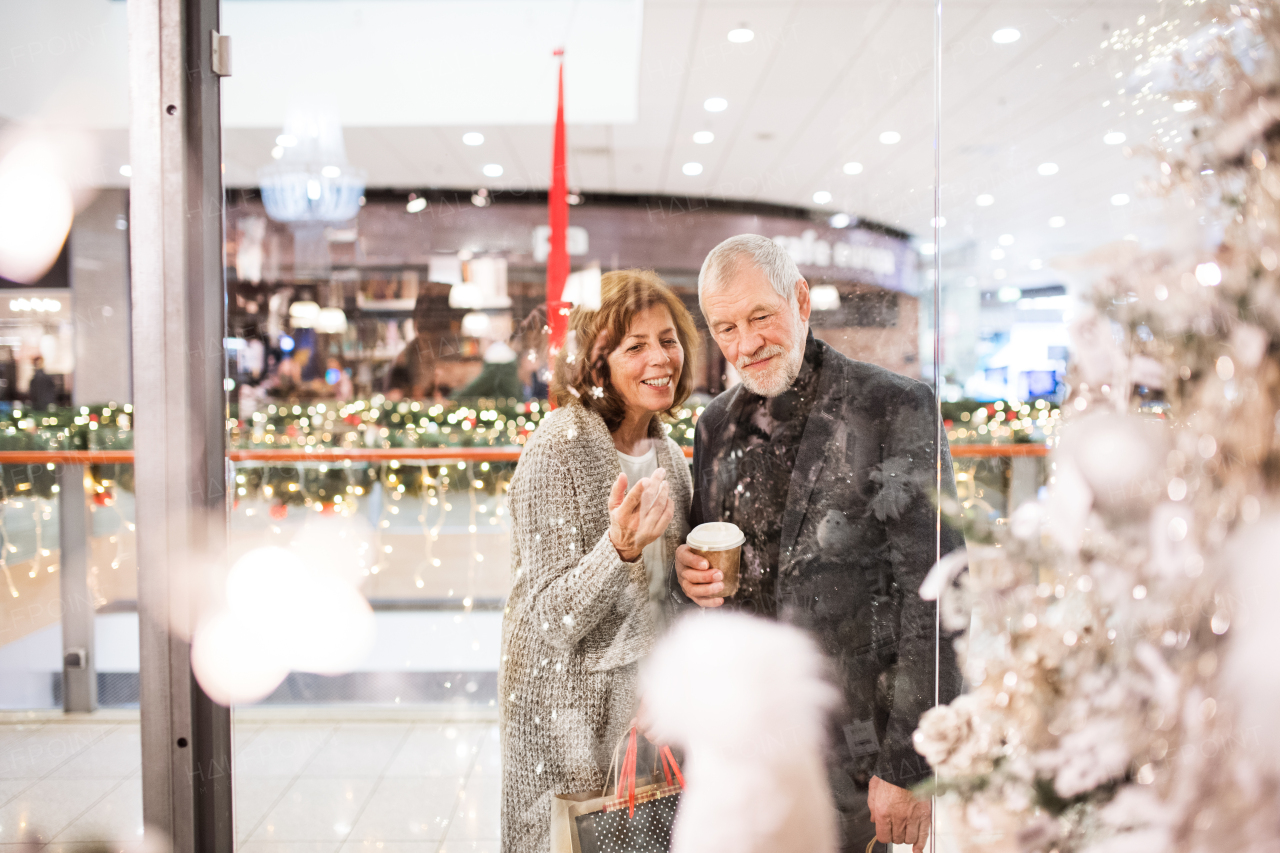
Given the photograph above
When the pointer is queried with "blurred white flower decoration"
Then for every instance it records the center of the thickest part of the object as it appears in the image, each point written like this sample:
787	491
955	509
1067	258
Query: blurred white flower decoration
228	661
284	613
36	208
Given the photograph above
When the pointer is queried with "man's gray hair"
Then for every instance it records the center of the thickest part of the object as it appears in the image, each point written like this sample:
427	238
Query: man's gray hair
773	260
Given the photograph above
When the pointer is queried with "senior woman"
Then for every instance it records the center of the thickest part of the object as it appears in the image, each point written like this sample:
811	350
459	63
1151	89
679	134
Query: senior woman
599	504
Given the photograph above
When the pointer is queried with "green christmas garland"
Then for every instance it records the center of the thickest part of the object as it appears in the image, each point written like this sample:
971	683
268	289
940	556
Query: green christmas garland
384	423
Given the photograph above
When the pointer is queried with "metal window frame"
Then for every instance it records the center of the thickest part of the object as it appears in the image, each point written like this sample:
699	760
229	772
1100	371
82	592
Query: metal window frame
178	296
79	663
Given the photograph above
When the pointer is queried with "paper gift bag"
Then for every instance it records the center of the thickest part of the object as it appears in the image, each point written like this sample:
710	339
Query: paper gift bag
646	829
630	820
565	810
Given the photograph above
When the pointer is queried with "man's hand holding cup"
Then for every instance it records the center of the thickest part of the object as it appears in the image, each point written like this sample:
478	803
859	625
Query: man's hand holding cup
707	565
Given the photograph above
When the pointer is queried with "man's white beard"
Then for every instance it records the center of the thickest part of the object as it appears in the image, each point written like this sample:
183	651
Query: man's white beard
779	375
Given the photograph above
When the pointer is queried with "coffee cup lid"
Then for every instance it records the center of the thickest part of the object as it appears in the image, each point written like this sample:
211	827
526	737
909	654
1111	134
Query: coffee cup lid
715	536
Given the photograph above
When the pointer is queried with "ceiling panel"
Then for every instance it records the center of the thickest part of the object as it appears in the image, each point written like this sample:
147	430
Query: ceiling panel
813	90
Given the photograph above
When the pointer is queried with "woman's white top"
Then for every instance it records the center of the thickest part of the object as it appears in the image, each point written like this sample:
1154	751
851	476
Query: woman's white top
655	553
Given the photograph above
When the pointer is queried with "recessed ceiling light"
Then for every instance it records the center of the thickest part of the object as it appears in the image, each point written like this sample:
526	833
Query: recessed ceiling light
126	170
839	220
1007	35
1184	106
277	152
1005	240
715	105
1120	199
1000	274
853	168
703	137
1057	221
331	171
997	254
822	197
1047	169
1115	137
493	170
1035	263
824	297
741	35
984	200
416	205
286	140
927	249
473	138
890	137
692	169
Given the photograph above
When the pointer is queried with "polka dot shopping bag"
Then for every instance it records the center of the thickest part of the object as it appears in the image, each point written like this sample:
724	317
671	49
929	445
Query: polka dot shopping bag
633	819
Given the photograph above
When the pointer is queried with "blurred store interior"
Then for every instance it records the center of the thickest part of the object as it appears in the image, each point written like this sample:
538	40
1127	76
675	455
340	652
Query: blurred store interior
678	135
358	187
386	169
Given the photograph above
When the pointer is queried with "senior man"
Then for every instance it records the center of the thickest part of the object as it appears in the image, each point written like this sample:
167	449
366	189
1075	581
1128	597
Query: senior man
828	465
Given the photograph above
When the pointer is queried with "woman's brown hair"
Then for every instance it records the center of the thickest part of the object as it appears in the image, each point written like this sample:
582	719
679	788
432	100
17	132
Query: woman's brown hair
582	366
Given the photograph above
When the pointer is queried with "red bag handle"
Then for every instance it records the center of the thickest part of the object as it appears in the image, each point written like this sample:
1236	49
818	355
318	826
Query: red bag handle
627	772
668	758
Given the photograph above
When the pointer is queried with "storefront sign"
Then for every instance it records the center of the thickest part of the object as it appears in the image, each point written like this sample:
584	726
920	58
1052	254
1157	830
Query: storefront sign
809	250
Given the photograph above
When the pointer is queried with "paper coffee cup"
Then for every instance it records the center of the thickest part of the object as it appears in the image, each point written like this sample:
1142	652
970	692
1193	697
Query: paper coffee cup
720	543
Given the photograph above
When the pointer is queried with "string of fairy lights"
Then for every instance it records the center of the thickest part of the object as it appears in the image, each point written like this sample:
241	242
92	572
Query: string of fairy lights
1001	422
448	498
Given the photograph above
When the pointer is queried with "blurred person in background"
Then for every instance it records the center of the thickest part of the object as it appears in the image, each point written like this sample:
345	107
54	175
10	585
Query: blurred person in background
43	389
413	372
498	378
530	343
529	371
286	382
829	466
599	503
337	380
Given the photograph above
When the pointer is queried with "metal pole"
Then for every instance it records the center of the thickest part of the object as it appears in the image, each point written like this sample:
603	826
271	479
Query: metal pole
940	435
79	670
179	414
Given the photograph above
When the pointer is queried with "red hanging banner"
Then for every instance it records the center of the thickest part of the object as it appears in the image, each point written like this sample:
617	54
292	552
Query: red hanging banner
558	219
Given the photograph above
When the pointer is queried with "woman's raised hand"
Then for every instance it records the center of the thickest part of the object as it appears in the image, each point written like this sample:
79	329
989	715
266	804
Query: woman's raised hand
640	516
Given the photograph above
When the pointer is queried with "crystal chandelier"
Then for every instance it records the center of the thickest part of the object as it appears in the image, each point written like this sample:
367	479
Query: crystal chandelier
311	185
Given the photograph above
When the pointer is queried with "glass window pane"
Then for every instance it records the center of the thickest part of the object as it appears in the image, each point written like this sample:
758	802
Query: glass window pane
68	623
1079	198
392	390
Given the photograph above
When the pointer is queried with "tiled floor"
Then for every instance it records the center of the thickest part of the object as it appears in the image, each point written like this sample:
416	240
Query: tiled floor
318	780
321	781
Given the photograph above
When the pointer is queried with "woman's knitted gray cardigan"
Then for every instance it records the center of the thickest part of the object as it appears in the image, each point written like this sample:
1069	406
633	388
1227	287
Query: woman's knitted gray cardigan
577	622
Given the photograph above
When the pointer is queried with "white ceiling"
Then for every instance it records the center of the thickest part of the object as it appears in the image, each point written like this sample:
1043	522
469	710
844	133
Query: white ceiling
392	63
819	83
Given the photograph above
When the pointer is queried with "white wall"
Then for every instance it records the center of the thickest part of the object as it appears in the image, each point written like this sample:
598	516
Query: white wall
100	290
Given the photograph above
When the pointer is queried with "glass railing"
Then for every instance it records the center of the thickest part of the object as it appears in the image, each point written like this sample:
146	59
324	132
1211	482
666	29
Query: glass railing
417	492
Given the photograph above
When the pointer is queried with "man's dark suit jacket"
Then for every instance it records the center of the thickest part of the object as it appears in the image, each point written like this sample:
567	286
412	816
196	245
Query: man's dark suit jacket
859	534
